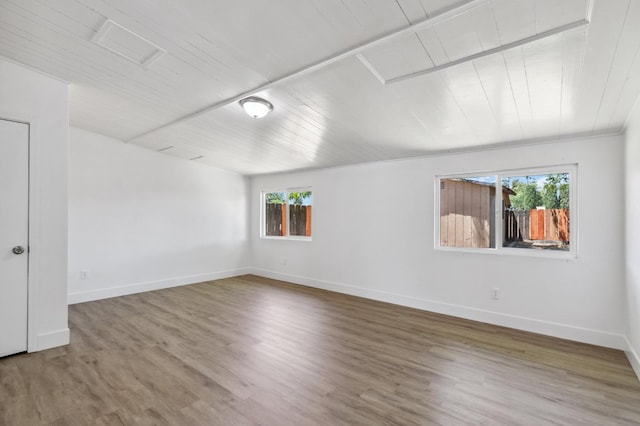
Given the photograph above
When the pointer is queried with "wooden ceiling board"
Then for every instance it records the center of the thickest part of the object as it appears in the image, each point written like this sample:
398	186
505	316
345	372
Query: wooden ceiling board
603	37
620	72
45	14
463	84
553	13
628	98
514	19
373	110
413	10
23	34
417	10
470	33
434	46
104	112
498	92
573	55
272	38
175	26
477	30
294	134
433	7
581	81
399	57
518	83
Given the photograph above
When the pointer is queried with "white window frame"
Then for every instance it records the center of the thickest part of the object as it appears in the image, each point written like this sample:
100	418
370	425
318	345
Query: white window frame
572	253
263	214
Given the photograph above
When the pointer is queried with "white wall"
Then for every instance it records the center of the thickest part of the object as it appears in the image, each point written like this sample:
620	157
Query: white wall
373	236
31	97
632	180
140	220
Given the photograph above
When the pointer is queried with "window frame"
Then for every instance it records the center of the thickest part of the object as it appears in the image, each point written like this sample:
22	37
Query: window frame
263	214
571	169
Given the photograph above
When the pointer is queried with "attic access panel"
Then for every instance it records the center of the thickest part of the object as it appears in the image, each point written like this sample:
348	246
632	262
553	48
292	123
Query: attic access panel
127	44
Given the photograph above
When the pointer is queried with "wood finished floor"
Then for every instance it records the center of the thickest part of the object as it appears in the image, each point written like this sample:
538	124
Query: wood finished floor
253	351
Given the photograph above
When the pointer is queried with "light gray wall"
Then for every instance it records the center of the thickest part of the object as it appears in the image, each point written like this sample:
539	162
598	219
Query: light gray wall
141	220
42	101
632	233
373	236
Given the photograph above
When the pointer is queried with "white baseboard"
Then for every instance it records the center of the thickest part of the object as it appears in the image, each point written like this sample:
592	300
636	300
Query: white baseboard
105	293
51	339
584	335
634	358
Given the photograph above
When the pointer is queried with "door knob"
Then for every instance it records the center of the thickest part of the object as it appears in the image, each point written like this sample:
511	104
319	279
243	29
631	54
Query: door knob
18	250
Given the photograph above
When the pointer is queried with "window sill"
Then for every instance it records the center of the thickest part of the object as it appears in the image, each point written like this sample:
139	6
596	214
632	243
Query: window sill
508	251
290	238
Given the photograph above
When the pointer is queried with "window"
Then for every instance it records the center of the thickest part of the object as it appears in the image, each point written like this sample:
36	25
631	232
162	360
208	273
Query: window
287	213
528	211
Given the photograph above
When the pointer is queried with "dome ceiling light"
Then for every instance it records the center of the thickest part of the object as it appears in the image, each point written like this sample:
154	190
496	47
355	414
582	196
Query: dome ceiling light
256	107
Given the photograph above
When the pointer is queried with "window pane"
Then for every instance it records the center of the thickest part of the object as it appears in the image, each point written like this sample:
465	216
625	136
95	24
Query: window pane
300	213
275	214
467	207
537	213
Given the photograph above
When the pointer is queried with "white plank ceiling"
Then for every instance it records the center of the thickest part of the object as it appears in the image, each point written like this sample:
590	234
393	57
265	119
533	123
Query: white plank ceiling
351	81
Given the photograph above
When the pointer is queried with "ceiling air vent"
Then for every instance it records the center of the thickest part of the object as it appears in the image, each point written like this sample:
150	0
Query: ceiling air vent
126	43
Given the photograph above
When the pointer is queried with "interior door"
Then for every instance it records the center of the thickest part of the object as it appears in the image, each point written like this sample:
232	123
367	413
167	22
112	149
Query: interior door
14	235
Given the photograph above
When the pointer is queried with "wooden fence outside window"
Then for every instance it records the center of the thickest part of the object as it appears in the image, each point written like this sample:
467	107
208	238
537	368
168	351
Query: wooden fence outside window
276	220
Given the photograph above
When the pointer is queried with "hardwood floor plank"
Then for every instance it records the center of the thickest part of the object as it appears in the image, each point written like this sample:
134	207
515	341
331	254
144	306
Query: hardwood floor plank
254	351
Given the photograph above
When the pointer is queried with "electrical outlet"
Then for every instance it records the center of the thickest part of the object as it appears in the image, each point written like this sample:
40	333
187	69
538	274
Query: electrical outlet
84	274
495	293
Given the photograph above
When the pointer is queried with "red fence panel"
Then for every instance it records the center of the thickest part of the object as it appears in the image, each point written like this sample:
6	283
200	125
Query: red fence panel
549	224
536	224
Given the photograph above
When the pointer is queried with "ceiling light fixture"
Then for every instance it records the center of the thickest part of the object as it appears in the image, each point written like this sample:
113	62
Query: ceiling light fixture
256	107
